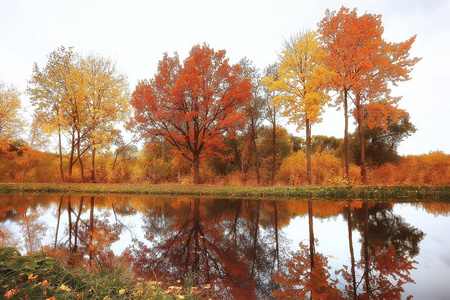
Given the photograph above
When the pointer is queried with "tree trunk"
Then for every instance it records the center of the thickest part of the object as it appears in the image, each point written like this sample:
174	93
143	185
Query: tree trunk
79	157
274	148
277	244
255	150
71	162
308	151
93	164
352	254
115	160
197	250
77	221
69	213
347	172
311	234
366	247
91	234
361	140
255	238
196	164
60	154
235	223
59	219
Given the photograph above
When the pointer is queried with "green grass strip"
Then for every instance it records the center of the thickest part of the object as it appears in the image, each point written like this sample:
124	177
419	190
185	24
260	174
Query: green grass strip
327	192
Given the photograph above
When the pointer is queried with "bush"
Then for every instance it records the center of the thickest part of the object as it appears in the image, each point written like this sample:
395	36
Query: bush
326	169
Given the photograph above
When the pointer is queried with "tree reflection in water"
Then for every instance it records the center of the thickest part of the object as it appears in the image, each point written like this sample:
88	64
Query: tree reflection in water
228	245
238	247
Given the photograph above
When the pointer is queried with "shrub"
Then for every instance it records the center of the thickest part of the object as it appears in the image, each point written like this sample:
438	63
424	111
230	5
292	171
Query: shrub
326	169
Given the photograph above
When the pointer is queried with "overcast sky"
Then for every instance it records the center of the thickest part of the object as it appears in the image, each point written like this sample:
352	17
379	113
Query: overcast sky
135	34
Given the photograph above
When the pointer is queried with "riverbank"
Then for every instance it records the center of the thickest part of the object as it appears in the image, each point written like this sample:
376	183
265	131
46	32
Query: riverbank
40	276
327	192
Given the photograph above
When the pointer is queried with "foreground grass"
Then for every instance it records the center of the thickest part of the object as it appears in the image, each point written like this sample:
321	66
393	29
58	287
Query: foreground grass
41	277
327	192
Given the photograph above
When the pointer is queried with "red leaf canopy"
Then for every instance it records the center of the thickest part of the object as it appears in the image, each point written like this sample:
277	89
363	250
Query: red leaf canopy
194	104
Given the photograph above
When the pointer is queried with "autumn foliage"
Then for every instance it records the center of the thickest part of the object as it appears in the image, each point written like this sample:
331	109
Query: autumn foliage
205	120
363	68
191	105
426	169
328	170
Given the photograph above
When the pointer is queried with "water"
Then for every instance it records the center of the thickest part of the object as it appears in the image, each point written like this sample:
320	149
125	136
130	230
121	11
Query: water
245	248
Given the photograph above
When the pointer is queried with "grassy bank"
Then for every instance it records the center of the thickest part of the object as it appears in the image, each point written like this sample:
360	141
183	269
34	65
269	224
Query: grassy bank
328	192
39	276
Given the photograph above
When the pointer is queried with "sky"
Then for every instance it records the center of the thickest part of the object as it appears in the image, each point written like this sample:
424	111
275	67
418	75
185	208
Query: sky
135	34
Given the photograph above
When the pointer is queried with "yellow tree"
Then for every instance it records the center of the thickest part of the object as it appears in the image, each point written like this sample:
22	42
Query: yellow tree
301	81
106	98
81	98
52	90
11	123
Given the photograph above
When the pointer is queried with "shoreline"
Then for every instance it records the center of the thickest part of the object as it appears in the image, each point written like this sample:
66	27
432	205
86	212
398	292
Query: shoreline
303	192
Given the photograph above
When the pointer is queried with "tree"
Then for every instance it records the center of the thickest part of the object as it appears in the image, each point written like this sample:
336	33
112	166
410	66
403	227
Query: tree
194	104
11	123
82	98
322	142
52	92
272	113
380	145
363	66
255	110
301	280
301	81
283	148
106	100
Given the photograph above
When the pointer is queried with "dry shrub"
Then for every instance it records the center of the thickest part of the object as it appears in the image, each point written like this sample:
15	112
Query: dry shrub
326	169
293	169
387	174
425	169
237	179
121	173
428	169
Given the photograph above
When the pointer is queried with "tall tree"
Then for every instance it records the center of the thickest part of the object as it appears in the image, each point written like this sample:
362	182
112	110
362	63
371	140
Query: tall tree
272	113
107	101
51	91
194	104
80	98
255	111
301	79
11	123
363	66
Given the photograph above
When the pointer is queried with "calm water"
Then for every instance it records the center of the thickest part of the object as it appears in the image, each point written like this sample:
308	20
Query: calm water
245	248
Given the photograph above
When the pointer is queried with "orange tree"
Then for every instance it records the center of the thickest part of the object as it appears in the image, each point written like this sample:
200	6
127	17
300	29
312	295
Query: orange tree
193	104
363	67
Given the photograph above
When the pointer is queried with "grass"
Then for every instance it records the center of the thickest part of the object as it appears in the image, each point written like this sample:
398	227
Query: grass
39	276
326	192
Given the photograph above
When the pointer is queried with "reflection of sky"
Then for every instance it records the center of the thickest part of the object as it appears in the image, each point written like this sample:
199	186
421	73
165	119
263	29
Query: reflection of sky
49	216
431	275
433	268
132	226
332	236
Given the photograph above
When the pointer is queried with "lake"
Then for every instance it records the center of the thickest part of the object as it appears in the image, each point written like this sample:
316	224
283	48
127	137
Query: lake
245	249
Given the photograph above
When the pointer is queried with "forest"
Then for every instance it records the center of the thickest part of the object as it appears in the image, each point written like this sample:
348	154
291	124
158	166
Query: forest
203	120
